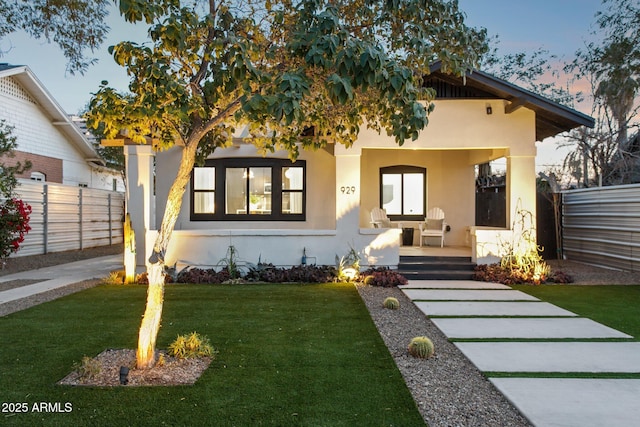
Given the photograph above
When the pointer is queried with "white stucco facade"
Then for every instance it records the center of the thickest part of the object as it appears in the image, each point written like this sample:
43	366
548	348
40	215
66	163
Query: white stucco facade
343	185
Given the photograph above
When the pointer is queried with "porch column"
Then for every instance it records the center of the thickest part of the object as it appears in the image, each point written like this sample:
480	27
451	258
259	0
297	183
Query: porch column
521	186
139	195
347	191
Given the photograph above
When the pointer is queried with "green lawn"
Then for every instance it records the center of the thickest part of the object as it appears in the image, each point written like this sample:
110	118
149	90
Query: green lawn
289	355
614	306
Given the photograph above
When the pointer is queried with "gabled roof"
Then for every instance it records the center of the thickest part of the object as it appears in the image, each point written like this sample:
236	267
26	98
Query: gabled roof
51	109
551	118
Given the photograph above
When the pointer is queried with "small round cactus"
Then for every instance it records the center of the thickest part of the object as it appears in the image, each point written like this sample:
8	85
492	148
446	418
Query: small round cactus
391	303
421	347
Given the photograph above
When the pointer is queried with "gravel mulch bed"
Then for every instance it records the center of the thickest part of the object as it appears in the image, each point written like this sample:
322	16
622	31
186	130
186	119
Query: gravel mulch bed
105	370
586	274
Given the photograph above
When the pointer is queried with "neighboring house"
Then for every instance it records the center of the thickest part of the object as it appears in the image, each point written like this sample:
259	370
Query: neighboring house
273	210
58	149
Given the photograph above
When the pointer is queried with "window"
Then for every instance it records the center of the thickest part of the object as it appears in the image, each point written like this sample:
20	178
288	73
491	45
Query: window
402	192
248	189
38	176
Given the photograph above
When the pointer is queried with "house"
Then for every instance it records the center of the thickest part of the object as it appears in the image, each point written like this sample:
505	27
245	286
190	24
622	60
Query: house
57	148
275	211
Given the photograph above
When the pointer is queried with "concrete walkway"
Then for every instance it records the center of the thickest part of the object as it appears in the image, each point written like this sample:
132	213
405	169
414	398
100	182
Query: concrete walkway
490	312
58	276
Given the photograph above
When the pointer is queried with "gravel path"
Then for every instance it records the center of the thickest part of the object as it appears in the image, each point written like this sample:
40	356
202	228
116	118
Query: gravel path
447	388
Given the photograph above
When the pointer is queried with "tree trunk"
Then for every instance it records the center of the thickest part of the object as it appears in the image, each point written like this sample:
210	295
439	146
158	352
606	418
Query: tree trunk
145	355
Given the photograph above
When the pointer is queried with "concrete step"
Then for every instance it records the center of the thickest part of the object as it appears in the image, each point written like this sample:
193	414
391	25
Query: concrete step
436	267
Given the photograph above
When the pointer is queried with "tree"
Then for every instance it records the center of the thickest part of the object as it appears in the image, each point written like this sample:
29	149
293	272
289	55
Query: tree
14	213
74	25
538	71
284	69
612	66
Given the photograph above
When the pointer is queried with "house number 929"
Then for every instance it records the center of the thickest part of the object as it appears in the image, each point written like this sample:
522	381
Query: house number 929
348	189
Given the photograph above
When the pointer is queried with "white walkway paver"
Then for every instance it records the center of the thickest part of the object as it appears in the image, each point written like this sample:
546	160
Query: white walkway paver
571	402
452	284
554	356
467	295
548	402
527	328
491	308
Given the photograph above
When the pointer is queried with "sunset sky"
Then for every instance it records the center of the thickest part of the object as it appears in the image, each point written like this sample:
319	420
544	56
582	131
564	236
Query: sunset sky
559	26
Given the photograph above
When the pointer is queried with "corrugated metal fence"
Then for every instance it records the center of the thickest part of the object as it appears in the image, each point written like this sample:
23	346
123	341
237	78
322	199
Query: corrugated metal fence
67	218
601	226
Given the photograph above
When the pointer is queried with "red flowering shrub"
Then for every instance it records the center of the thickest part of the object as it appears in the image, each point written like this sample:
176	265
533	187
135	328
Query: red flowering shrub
14	224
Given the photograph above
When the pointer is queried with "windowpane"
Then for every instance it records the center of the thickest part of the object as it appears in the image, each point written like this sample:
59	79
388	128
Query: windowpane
236	188
260	191
204	202
392	193
413	203
248	189
292	178
291	203
204	178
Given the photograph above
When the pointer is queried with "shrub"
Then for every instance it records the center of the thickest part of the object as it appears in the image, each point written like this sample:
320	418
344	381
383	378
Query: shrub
513	276
384	277
88	368
199	275
143	278
560	277
391	303
421	347
114	278
191	346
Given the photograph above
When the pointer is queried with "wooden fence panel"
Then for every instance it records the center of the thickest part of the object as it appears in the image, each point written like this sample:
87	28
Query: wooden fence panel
70	218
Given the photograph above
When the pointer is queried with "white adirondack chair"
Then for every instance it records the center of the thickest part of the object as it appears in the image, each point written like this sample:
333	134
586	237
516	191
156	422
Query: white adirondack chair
433	226
379	218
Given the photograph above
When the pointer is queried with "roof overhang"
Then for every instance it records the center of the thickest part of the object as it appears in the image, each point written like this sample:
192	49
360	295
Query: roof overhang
51	109
551	118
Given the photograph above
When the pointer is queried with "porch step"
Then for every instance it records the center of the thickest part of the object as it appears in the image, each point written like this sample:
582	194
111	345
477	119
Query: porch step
436	267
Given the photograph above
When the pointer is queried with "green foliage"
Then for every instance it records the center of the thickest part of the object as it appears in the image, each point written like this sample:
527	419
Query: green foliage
88	368
232	264
9	170
75	26
421	347
282	68
191	346
391	303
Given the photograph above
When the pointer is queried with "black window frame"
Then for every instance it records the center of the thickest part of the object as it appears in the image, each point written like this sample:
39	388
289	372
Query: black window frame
276	166
400	170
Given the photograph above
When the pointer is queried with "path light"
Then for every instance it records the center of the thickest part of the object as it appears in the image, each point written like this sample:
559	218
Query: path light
124	373
350	273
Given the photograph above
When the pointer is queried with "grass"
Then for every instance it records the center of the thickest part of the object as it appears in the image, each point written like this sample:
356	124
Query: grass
288	355
614	306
